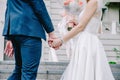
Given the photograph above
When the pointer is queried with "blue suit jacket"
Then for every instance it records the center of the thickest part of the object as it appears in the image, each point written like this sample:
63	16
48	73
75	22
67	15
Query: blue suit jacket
27	17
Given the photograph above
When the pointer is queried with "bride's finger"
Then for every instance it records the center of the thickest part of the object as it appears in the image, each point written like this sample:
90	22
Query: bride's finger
53	44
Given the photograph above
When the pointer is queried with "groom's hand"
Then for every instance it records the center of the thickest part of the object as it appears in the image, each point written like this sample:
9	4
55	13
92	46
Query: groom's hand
50	42
53	41
51	36
8	49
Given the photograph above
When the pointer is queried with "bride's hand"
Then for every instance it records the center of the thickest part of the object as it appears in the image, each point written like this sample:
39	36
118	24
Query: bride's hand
56	43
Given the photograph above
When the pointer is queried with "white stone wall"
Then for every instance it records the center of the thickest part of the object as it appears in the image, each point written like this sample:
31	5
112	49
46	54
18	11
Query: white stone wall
2	13
111	15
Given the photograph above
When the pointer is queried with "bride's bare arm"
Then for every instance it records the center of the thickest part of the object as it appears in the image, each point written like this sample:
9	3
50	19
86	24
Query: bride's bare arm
85	18
88	13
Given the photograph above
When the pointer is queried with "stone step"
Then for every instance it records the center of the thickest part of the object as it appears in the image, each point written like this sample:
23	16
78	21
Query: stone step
49	70
51	75
42	74
43	65
109	36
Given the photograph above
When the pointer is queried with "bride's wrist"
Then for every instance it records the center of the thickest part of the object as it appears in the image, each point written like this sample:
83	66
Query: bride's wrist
62	41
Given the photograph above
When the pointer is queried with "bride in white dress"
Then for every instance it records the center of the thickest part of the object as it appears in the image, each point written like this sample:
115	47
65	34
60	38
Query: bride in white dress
88	60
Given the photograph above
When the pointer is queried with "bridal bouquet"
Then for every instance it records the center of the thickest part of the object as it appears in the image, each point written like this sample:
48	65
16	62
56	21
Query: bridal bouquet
67	2
72	8
70	13
71	24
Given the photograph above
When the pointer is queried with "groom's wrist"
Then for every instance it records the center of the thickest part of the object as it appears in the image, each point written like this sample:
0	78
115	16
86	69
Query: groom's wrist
51	33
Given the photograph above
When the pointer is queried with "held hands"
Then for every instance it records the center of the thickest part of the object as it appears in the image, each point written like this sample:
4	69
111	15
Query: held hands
55	43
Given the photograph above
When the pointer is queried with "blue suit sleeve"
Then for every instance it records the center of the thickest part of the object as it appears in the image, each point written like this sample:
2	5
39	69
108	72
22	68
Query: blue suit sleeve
40	10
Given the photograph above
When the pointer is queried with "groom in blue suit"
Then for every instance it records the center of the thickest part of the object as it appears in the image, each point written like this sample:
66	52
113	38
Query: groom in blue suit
25	24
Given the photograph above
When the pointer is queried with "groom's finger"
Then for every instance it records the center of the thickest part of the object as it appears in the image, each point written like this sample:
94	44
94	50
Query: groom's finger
50	42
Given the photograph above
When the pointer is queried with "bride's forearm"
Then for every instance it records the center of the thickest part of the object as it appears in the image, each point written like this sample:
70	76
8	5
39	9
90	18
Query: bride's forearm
84	19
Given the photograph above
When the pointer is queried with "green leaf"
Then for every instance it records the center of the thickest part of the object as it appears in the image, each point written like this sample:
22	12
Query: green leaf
112	62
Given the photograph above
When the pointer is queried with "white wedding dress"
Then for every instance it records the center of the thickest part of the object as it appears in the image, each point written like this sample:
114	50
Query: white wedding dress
88	60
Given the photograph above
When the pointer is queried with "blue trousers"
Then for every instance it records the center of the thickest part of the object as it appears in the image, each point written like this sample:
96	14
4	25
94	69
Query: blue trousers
27	57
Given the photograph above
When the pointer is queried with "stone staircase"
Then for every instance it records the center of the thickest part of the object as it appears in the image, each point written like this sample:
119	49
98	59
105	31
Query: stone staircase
53	70
48	70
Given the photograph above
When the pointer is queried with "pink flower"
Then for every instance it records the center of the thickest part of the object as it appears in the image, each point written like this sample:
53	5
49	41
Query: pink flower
66	2
80	3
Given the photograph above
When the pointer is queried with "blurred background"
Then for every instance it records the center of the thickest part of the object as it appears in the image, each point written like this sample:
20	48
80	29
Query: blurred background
110	38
